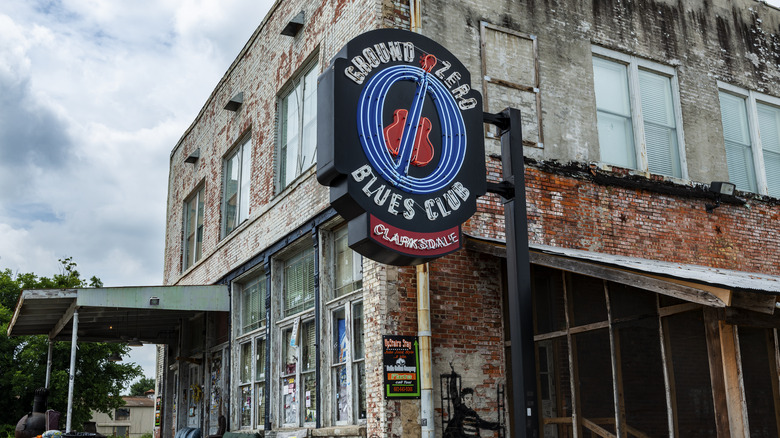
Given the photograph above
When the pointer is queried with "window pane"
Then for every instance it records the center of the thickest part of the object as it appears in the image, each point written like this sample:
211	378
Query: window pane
190	213
260	397
230	193
769	129
663	156
340	341
289	353
309	134
199	229
361	387
739	155
299	283
245	370
343	398
290	136
616	135
289	401
348	265
246	406
246	163
357	331
253	304
310	397
308	345
260	360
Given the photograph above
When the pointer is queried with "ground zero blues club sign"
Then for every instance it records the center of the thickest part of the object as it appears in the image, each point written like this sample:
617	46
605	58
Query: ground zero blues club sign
399	141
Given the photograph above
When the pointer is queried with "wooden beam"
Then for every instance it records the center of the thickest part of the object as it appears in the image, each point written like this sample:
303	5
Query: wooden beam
574	377
617	372
774	372
669	384
717	378
598	430
64	319
762	303
589	327
642	281
748	318
679	308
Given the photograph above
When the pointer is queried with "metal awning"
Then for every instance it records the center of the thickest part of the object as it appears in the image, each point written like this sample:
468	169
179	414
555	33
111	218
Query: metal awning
114	314
730	290
731	279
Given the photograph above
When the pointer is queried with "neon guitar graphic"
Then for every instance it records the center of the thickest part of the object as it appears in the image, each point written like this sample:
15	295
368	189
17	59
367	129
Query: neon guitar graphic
407	137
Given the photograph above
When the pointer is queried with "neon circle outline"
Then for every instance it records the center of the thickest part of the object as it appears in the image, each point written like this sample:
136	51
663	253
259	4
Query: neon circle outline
371	133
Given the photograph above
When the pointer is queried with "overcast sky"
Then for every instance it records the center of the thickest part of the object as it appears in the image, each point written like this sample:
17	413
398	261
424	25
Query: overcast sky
94	95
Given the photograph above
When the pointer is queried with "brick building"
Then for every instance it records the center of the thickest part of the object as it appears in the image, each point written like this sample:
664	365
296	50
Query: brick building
653	314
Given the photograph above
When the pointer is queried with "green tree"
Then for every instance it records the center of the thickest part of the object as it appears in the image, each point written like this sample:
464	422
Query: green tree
98	382
140	387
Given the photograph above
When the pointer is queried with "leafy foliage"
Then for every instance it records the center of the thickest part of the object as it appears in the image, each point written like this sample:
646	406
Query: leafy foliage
140	387
98	382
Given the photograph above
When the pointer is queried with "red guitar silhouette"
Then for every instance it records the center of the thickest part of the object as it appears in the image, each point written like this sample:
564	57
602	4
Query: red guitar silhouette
422	151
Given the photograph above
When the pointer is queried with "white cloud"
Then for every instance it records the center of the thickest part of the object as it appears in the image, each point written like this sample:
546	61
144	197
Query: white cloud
94	95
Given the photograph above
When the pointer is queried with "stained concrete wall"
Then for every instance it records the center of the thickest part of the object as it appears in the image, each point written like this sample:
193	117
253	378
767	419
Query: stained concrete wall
737	42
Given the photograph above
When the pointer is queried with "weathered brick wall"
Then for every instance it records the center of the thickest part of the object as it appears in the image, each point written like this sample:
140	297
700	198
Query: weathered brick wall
261	70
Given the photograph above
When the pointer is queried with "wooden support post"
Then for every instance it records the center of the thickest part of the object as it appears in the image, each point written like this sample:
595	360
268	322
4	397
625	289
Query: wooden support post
671	389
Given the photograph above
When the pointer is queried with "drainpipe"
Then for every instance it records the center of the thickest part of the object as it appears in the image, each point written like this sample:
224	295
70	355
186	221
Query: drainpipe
423	302
426	364
72	377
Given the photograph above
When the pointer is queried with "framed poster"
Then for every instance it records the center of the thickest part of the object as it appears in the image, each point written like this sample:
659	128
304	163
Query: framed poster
400	366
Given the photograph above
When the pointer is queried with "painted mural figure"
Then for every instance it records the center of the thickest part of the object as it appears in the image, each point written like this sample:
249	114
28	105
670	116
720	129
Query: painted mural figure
465	422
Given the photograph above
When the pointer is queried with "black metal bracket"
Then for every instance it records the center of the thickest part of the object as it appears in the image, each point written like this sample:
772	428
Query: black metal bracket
505	189
501	120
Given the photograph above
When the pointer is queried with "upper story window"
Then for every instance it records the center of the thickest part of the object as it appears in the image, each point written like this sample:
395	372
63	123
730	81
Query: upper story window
193	229
235	190
298	127
751	129
639	118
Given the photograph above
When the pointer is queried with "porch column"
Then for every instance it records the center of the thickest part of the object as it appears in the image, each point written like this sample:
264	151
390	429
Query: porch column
72	375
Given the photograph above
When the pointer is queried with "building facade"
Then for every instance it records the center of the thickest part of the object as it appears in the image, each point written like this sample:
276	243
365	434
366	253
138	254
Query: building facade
654	297
133	420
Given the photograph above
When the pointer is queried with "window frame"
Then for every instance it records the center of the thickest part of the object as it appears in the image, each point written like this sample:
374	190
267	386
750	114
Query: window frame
198	196
752	99
283	322
242	150
251	337
309	67
345	303
633	65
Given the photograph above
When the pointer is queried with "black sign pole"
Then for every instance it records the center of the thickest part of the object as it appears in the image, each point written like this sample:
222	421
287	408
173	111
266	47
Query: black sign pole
525	414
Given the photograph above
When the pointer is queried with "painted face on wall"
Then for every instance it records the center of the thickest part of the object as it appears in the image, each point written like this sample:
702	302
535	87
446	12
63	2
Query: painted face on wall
468	400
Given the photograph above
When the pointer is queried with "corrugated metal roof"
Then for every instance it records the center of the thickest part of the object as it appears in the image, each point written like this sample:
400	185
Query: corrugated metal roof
114	314
751	281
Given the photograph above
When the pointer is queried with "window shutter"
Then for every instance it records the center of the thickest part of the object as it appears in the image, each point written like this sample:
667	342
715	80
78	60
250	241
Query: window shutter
769	129
663	156
739	156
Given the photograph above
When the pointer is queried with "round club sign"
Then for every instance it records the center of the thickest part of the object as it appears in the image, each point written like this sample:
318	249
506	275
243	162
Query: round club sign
399	141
